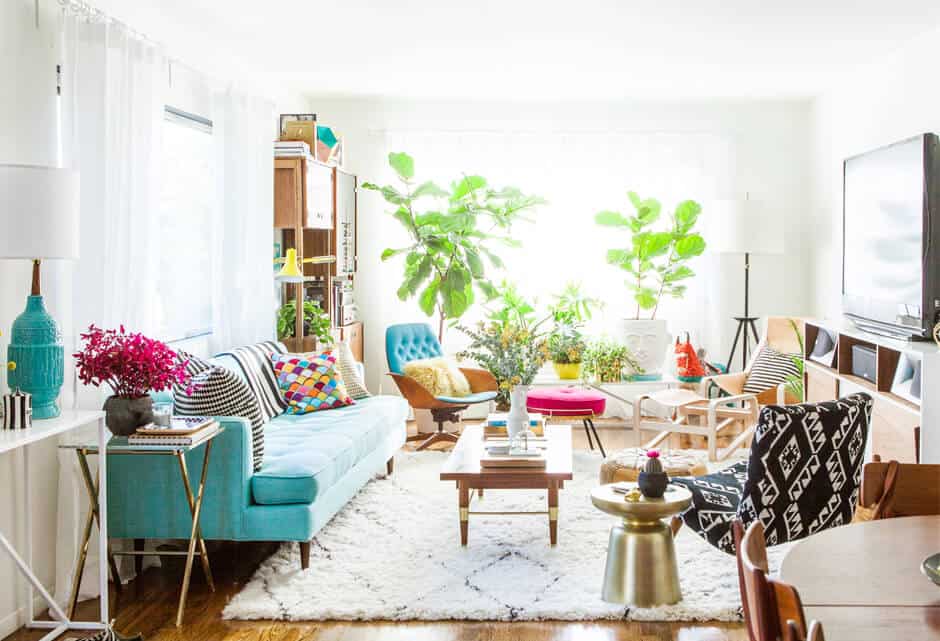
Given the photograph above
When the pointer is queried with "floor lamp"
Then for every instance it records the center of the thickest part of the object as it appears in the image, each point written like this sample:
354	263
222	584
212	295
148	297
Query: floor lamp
744	227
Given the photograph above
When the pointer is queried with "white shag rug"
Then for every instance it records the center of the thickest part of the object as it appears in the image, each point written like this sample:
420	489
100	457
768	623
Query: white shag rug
393	553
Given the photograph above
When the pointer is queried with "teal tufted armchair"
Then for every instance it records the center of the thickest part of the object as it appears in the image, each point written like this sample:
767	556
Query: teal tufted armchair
414	341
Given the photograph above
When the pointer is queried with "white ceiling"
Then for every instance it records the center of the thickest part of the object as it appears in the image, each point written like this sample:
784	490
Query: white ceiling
510	49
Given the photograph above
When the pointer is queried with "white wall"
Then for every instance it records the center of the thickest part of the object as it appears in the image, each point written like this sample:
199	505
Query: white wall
768	144
881	103
28	135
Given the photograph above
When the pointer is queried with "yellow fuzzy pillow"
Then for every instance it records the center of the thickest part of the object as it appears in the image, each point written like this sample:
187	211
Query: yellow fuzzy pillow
440	376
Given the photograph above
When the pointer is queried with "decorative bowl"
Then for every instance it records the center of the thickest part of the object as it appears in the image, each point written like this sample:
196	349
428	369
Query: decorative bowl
931	567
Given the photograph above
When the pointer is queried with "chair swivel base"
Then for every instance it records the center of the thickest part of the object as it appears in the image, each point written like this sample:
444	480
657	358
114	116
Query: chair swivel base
443	415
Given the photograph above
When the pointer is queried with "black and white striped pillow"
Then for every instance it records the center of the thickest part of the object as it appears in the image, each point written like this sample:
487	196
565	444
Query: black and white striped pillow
770	368
255	363
218	391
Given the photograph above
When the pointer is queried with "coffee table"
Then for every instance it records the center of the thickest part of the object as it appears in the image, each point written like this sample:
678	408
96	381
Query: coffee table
463	466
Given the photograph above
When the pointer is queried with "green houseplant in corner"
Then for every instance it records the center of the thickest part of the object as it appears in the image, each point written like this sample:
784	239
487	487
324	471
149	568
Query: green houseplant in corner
656	263
316	322
450	236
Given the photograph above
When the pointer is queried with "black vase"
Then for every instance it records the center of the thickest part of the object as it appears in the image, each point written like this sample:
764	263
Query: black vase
652	484
124	415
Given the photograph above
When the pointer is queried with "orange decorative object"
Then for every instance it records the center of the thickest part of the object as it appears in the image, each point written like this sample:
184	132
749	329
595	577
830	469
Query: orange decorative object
688	366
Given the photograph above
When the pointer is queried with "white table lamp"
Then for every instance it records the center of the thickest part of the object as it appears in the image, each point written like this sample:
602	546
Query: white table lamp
39	219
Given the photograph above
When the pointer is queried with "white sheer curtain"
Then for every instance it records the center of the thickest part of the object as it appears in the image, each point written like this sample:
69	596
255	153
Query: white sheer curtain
111	106
581	173
243	292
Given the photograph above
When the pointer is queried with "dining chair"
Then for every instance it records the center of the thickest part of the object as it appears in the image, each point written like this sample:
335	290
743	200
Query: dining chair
815	632
802	475
768	604
413	341
895	489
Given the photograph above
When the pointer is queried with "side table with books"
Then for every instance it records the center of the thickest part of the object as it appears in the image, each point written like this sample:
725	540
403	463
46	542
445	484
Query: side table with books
184	434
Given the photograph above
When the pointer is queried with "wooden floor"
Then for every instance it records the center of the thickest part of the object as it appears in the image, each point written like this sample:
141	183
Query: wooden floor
148	605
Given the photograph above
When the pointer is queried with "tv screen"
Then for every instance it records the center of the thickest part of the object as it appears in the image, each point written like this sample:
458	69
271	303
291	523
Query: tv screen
884	233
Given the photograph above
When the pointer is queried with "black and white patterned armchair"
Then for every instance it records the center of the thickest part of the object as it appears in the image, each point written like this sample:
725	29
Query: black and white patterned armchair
802	475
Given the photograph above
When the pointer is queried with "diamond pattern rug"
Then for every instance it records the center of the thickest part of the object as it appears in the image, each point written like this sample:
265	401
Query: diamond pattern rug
393	553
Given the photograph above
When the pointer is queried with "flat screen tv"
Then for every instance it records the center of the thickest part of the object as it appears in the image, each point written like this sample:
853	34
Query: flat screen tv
891	238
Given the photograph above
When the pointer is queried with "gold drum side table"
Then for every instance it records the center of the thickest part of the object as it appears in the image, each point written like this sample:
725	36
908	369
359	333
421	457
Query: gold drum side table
641	557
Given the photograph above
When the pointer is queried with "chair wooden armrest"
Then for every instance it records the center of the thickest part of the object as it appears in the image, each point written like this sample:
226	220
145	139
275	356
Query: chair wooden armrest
416	394
731	383
480	380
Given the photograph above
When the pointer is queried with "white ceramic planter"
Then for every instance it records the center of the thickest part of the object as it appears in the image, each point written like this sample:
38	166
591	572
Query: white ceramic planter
647	340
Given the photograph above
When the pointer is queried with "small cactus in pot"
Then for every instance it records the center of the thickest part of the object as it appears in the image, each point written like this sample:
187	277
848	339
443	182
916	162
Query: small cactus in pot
652	480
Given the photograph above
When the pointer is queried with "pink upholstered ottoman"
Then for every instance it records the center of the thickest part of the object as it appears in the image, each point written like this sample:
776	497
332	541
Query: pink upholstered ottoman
570	402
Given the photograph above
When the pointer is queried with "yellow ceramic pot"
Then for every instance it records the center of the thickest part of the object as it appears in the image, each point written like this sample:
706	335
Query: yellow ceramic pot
568	371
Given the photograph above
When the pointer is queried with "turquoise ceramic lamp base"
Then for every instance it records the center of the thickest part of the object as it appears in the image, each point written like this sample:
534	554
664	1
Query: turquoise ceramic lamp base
36	349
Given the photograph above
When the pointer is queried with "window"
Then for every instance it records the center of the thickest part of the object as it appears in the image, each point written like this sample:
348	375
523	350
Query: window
184	299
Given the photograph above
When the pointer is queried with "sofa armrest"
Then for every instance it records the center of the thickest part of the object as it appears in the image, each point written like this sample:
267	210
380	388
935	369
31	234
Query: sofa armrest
146	498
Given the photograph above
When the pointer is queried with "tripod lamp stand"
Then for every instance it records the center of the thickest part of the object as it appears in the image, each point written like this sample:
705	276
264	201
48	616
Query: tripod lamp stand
744	227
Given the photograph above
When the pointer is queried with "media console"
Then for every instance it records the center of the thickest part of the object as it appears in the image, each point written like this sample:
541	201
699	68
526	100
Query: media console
906	386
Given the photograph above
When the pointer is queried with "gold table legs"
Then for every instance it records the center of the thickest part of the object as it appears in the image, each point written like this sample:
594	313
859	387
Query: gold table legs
465	493
195	536
641	565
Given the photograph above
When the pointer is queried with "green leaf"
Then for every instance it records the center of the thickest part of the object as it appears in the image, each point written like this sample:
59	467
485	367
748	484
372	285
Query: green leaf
403	164
611	219
403	216
645	298
495	260
428	189
648	211
635	199
488	289
474	262
620	257
690	246
678	273
392	195
388	253
428	297
467	184
460	223
370	186
654	244
429	218
686	214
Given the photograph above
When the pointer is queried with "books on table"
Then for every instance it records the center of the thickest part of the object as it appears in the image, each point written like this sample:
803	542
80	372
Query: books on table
512	460
184	431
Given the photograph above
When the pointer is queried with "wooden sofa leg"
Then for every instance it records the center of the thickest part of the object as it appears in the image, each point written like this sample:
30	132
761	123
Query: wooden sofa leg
305	555
390	466
138	559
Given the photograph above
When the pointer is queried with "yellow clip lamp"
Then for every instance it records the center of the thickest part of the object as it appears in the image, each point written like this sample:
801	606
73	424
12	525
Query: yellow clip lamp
291	272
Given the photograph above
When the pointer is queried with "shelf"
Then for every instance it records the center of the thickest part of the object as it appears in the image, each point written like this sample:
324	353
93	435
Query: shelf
858	380
902	402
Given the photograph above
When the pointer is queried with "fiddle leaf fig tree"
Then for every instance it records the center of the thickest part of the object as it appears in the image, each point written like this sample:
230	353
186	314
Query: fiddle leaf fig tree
454	234
655	260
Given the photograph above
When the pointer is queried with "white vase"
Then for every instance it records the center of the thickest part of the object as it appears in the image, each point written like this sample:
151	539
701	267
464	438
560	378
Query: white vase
518	419
647	341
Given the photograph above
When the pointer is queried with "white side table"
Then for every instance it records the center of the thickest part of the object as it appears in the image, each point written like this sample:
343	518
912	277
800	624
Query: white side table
22	439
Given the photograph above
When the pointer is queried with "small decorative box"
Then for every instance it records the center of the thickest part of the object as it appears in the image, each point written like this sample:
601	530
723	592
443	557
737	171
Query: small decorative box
17	410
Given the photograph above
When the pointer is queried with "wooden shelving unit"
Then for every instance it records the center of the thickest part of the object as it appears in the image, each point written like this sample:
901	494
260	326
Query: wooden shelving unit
315	212
894	418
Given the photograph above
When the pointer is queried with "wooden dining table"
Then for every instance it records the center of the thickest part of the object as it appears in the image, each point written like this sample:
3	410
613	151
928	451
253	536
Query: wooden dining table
864	582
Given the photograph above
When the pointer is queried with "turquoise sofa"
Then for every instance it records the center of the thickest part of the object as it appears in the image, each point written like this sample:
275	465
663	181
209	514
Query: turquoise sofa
313	465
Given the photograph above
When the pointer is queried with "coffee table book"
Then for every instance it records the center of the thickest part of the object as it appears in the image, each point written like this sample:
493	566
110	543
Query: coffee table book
509	460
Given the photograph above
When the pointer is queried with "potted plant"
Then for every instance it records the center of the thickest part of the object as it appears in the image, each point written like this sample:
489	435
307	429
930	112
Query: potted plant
132	365
512	353
657	264
566	345
608	361
566	351
316	322
450	237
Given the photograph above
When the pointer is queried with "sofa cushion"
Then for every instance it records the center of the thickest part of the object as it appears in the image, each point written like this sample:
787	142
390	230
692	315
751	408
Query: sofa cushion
306	454
310	382
255	364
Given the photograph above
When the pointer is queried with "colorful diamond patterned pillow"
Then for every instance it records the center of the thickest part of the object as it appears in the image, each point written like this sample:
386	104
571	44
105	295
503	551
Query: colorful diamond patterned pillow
310	382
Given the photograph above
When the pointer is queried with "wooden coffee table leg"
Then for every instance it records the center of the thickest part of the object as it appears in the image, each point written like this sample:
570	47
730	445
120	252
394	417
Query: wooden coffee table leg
553	511
463	491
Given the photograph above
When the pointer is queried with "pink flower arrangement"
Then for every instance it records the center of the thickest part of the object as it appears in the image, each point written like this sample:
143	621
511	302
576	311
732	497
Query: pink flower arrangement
652	454
131	364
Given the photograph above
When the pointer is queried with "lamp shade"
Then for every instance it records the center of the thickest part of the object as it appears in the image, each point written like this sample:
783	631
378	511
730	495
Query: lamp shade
743	227
38	212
